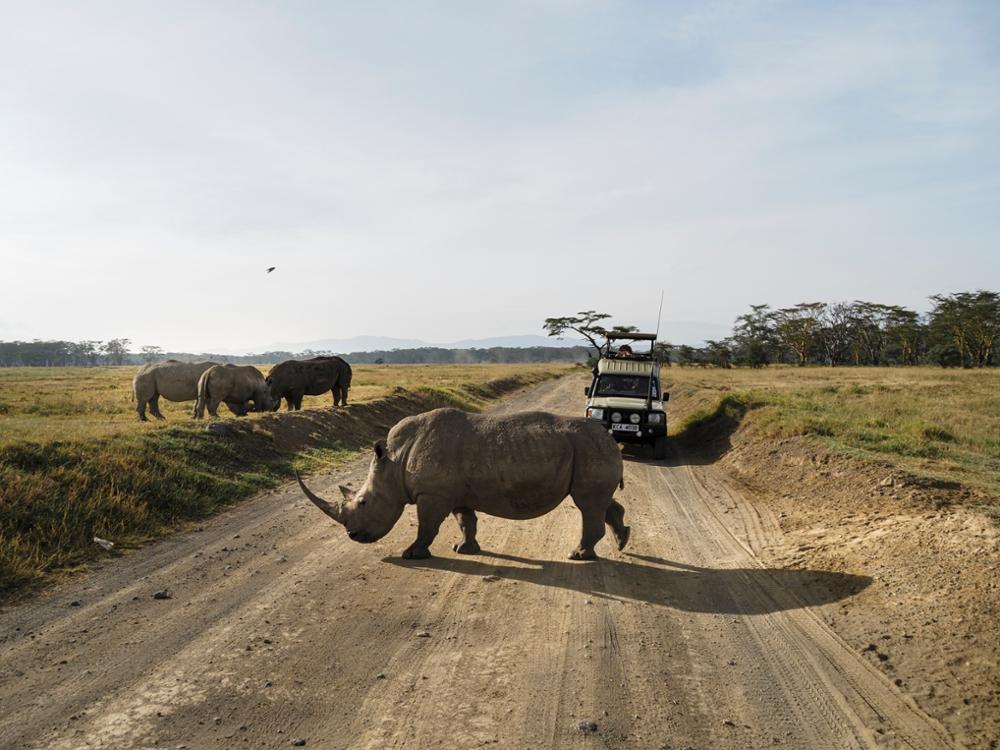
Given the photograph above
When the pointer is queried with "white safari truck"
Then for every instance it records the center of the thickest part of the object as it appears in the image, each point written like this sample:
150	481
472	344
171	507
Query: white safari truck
625	395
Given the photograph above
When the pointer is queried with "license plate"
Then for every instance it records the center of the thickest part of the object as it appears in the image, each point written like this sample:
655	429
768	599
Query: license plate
625	427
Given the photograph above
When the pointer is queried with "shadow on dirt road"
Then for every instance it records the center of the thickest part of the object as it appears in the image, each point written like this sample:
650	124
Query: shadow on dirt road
681	452
736	591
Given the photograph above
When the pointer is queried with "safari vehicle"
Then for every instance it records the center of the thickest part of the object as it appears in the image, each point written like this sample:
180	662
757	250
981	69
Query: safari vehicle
625	394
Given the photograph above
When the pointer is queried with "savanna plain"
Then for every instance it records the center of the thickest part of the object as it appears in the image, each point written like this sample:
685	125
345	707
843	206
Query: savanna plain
813	566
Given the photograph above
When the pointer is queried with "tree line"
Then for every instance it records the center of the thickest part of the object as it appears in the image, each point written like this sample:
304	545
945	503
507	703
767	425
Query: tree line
116	352
496	354
88	353
960	330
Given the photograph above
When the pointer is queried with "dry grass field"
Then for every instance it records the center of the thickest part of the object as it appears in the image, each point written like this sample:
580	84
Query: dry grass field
939	423
80	403
75	461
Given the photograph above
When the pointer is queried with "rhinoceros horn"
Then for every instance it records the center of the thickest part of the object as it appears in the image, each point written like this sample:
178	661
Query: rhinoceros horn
331	509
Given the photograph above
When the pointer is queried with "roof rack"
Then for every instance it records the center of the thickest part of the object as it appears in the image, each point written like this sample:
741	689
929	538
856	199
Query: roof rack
616	335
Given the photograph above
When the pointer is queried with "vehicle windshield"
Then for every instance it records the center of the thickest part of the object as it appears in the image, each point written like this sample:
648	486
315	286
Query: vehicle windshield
635	386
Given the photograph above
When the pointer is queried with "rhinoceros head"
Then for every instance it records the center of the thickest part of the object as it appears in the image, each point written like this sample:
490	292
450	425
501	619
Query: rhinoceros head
262	400
369	514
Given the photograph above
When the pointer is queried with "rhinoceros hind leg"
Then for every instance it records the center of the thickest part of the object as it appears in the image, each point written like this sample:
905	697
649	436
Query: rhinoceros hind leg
213	406
615	518
467	522
593	512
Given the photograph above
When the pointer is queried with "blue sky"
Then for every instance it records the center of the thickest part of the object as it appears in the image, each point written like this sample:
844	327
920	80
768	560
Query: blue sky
460	170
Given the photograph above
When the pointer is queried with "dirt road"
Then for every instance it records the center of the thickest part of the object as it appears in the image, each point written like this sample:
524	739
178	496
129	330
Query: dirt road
278	630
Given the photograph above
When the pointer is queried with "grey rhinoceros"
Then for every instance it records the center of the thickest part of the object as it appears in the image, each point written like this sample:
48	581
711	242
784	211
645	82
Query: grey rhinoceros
516	466
175	381
236	385
294	379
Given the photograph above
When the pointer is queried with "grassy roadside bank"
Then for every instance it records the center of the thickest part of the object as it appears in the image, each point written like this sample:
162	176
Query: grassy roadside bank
933	423
138	484
891	474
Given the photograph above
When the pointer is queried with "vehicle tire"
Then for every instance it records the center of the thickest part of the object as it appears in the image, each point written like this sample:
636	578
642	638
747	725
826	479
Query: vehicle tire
660	448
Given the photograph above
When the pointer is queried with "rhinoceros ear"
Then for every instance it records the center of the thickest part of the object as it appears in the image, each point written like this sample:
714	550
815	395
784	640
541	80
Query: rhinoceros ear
379	449
346	492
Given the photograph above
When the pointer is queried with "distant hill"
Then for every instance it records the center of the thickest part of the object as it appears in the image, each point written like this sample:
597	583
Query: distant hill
690	332
387	343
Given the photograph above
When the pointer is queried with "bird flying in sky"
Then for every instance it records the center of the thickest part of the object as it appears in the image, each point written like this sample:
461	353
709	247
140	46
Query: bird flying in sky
271	269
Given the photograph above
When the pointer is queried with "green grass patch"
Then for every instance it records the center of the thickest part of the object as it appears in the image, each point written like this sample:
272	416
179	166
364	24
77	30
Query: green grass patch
930	422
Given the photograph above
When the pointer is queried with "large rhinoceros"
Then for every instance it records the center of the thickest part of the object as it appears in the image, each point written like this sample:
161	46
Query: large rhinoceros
175	381
294	379
236	385
519	466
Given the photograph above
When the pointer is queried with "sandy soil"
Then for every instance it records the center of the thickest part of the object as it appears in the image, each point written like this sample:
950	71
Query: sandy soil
278	630
929	619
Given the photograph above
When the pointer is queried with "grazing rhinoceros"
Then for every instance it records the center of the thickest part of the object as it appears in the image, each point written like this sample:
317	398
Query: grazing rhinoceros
175	381
518	466
237	385
294	379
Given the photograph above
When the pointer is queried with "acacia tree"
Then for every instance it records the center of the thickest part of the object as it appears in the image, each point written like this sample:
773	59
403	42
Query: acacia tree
799	327
985	313
662	352
868	331
686	355
754	335
586	324
969	322
151	354
719	353
835	333
116	350
905	333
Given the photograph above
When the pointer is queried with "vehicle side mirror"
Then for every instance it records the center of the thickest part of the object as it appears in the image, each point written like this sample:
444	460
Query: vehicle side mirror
586	391
666	396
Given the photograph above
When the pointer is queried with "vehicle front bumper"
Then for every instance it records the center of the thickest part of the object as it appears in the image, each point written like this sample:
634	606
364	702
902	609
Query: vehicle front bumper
646	433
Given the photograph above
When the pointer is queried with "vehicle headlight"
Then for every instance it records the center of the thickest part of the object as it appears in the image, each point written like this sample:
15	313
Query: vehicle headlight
634	419
595	413
656	418
616	417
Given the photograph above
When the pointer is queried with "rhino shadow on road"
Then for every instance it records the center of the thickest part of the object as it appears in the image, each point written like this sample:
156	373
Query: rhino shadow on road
664	583
683	450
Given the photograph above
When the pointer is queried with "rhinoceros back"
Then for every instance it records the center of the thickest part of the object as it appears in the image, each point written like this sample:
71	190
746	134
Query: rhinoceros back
175	381
516	466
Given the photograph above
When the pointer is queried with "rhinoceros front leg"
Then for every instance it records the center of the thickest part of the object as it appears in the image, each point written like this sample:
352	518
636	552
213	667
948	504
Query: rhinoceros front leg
154	407
430	513
593	512
467	523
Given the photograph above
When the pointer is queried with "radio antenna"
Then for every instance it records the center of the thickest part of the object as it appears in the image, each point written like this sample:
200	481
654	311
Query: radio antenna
659	314
652	356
